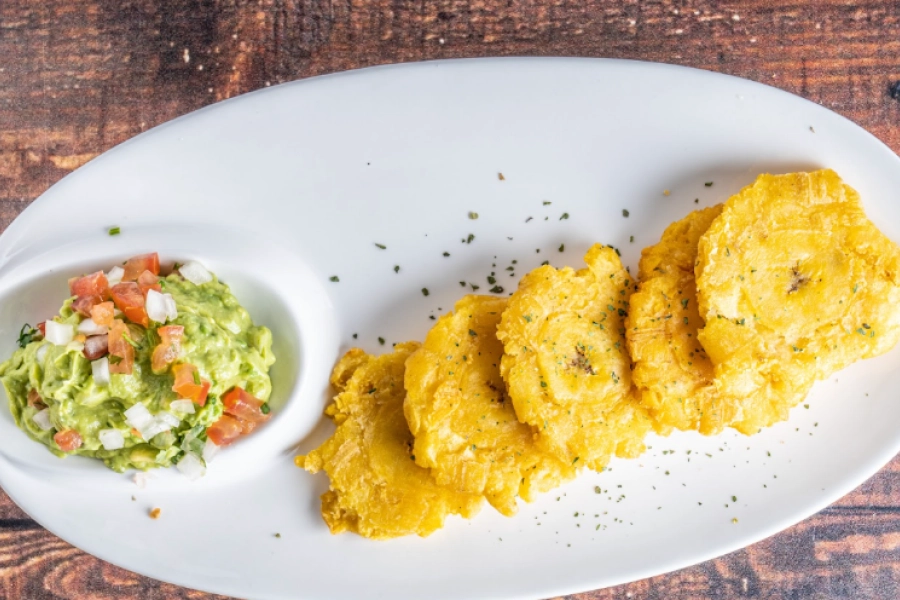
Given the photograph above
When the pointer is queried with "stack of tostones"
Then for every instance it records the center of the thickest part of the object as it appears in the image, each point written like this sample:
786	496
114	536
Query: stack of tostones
457	408
565	361
742	307
377	490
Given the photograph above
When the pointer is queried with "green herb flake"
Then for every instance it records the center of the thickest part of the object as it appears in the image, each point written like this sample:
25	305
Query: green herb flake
562	247
631	239
547	203
564	216
115	230
334	278
446	254
491	279
473	215
470	238
396	268
133	343
381	341
625	213
543	384
381	246
708	184
497	289
264	409
425	291
684	303
472	332
195	374
26	335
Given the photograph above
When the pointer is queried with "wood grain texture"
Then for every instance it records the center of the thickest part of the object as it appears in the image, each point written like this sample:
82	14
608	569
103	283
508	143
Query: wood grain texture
80	76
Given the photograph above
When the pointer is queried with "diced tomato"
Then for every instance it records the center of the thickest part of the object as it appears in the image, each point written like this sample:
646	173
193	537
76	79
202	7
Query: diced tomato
103	313
130	300
224	431
188	384
148	281
94	284
96	346
168	349
121	352
138	264
84	304
67	440
35	400
42	327
243	405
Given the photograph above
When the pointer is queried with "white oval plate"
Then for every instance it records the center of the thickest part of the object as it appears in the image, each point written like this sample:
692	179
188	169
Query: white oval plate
284	188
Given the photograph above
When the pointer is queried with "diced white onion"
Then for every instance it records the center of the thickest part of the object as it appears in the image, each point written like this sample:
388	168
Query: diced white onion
43	420
185	407
195	272
112	439
168	418
138	416
90	327
58	333
117	313
191	466
41	353
209	450
100	371
115	275
152	429
141	479
156	306
171	309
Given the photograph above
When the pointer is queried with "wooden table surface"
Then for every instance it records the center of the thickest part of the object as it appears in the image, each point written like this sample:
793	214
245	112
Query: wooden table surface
80	76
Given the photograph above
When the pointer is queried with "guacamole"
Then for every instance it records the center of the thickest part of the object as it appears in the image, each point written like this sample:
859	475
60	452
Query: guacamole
56	392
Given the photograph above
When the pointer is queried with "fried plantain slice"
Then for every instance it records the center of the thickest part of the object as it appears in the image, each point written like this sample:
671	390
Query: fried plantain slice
676	251
465	426
794	283
672	372
565	364
377	490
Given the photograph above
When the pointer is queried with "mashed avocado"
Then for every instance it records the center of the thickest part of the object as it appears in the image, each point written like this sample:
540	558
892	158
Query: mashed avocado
220	340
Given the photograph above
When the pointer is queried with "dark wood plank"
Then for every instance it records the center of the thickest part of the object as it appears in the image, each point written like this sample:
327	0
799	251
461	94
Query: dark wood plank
80	76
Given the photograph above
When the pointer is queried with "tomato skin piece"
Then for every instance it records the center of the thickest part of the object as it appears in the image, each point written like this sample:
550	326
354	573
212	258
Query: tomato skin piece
186	386
42	327
67	440
148	281
119	347
136	265
84	304
96	346
167	351
94	284
224	431
244	406
35	400
103	313
130	300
